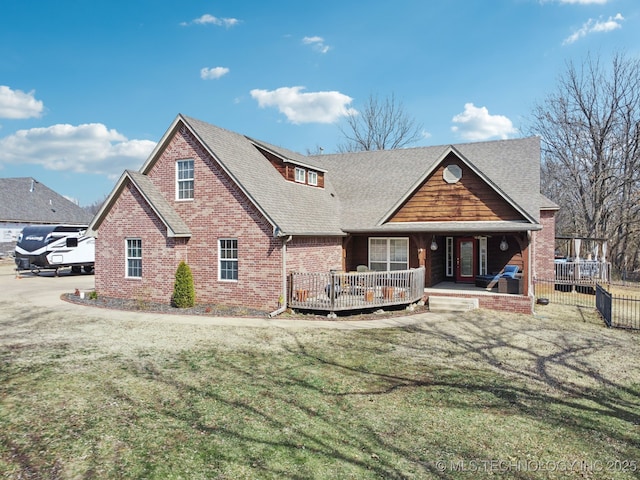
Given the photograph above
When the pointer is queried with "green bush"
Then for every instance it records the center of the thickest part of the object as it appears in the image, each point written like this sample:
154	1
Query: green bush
184	293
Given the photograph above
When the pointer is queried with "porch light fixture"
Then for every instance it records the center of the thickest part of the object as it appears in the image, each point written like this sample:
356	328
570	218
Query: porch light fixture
434	244
503	244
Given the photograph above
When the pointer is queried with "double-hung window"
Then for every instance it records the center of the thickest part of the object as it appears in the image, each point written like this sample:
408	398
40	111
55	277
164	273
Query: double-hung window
228	259
301	175
388	254
134	258
184	179
313	177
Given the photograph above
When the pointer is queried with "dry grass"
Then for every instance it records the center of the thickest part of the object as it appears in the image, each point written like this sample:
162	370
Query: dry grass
97	397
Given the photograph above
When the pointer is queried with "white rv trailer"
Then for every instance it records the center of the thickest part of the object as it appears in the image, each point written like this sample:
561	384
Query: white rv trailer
42	247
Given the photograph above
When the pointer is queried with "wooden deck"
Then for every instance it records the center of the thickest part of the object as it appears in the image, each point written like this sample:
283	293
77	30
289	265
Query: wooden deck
584	272
338	291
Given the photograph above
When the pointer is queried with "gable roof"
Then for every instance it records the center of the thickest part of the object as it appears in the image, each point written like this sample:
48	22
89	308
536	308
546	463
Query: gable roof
361	190
385	178
291	208
26	200
176	227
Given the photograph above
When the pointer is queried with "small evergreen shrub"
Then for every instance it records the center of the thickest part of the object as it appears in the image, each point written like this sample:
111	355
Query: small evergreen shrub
184	293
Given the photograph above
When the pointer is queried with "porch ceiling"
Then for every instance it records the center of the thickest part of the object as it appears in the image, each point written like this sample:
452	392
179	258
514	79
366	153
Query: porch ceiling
452	227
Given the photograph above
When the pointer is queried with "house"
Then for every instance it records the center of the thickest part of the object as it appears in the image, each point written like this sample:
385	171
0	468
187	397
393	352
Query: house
244	214
25	201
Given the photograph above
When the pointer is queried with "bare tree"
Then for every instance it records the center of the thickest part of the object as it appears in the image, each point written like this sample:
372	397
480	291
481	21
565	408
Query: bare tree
590	130
95	206
380	126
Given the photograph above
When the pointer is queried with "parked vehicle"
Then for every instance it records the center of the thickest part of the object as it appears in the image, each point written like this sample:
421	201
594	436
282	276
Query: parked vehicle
51	247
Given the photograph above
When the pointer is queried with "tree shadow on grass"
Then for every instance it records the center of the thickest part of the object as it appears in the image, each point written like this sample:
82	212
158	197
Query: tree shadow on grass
328	402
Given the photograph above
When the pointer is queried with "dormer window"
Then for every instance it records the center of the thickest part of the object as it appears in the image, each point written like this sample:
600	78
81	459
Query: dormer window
294	171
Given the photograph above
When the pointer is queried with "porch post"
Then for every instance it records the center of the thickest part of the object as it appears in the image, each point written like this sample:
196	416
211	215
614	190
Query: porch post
421	244
345	244
525	244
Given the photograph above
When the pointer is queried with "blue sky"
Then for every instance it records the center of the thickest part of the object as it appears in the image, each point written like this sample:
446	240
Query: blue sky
87	87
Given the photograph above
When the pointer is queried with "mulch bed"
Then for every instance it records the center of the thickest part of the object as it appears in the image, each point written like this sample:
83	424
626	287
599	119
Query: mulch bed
157	307
230	311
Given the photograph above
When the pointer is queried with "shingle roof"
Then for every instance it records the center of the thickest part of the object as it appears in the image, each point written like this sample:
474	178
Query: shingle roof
361	189
292	208
166	213
176	227
370	184
26	200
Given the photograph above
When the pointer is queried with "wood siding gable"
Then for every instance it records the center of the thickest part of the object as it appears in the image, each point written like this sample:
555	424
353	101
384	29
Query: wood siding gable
467	200
287	169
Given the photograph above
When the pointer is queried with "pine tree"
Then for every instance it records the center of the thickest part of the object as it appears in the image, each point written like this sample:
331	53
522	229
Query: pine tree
184	293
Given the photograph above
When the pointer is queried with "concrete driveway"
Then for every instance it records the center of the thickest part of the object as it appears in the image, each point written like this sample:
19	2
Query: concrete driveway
43	291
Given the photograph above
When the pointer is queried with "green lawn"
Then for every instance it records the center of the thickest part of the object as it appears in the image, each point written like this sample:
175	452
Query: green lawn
466	396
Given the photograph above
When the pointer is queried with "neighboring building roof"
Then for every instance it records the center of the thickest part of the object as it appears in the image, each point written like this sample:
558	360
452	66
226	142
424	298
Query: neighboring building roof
25	200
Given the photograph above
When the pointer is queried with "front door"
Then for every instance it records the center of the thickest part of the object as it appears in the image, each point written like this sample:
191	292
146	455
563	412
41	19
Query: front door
465	259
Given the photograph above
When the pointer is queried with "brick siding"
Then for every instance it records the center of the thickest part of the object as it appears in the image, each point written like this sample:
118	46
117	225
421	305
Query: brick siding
219	210
499	302
544	245
314	254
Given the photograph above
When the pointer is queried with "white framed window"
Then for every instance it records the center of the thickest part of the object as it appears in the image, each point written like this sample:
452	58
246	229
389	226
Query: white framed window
301	175
482	241
184	179
134	258
388	254
228	259
449	257
313	177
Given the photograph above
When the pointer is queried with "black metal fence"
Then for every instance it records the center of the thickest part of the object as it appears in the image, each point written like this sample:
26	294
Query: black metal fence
618	311
565	293
604	304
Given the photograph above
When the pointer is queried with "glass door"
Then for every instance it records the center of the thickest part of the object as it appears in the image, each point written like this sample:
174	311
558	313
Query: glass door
465	259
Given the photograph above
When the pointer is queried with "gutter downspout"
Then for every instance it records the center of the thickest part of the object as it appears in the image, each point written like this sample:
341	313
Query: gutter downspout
532	254
283	307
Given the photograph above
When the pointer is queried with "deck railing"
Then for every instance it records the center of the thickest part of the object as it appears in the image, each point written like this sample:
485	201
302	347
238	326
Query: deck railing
583	272
337	291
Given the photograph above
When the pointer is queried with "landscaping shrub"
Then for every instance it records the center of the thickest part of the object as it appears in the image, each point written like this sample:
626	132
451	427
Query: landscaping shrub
184	293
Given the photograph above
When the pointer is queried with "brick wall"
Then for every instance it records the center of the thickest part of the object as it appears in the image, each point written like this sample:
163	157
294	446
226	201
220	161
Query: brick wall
131	217
544	246
219	210
314	254
498	302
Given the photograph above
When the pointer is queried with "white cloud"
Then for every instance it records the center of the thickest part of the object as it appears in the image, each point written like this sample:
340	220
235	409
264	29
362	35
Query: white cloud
88	148
207	19
18	104
213	73
595	26
299	107
317	43
475	123
584	2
